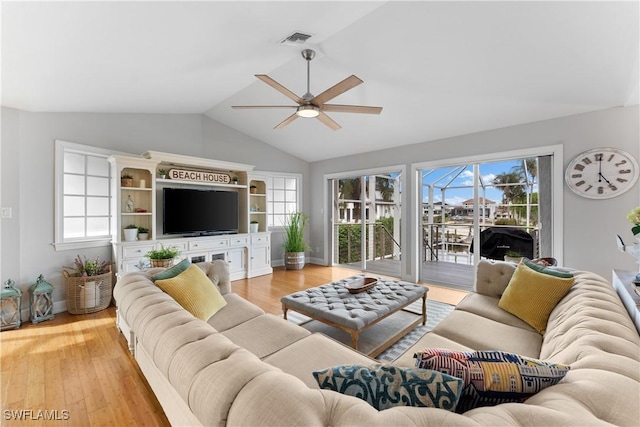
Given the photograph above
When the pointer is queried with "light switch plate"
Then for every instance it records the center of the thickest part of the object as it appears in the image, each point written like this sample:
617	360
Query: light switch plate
5	212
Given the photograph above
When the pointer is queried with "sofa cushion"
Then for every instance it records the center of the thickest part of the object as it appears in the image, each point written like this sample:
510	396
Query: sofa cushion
480	333
312	353
492	377
386	386
193	290
172	271
238	310
486	306
533	293
265	334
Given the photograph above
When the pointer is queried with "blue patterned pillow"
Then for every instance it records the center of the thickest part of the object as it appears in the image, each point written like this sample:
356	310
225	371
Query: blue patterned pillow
492	377
386	386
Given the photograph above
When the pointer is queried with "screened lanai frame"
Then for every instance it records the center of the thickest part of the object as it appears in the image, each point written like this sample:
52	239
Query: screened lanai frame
441	239
554	232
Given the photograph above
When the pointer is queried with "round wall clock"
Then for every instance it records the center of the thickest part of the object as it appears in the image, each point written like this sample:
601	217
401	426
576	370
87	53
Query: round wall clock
601	173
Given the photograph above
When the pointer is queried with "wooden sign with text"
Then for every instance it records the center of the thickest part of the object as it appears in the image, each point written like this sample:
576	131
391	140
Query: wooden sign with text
200	176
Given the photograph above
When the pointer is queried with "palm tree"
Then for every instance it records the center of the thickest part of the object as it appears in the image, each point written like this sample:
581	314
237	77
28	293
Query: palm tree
385	187
351	189
510	183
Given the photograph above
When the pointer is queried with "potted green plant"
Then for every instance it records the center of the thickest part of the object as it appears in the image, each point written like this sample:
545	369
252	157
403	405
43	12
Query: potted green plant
88	285
126	180
512	256
162	257
294	244
143	233
253	226
162	173
131	233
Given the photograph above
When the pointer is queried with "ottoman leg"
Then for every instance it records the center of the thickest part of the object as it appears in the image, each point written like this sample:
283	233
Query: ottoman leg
424	309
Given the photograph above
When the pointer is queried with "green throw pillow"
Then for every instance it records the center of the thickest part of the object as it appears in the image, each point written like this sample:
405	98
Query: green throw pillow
172	271
386	386
492	377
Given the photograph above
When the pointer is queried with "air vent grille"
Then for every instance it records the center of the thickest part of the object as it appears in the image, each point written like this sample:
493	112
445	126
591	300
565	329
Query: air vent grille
296	38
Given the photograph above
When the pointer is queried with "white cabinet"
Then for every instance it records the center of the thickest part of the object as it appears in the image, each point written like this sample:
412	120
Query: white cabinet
237	259
138	204
260	255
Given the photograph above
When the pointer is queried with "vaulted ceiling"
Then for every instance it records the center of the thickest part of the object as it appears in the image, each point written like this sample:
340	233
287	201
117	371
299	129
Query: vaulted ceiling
438	69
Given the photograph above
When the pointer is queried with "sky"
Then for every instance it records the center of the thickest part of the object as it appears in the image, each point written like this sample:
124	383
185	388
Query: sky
455	196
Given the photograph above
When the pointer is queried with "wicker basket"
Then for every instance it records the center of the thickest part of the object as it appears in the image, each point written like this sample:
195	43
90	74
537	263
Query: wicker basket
166	263
88	294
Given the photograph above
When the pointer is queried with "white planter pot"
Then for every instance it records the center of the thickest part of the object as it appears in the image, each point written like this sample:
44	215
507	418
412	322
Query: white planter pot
89	294
130	234
253	228
143	236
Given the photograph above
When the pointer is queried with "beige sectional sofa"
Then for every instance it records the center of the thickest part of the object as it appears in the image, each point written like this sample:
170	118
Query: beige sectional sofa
245	367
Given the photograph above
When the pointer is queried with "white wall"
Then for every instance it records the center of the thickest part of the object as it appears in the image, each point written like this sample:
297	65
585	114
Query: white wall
26	184
27	161
590	226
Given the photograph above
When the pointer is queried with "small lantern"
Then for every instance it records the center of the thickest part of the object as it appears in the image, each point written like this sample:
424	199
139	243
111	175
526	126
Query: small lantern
40	300
11	301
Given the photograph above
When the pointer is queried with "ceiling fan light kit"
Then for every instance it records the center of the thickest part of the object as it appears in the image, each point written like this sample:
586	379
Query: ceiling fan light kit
310	106
308	111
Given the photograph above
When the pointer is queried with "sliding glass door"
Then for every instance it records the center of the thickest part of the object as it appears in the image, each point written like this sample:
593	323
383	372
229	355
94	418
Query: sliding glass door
482	210
365	222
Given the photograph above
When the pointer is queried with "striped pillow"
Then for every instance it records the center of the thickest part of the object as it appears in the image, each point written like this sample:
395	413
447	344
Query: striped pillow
492	377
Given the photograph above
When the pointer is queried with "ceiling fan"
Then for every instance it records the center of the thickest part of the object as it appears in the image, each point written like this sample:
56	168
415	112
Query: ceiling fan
310	106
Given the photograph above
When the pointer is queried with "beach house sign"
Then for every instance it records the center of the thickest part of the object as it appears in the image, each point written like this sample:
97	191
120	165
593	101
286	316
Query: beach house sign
200	176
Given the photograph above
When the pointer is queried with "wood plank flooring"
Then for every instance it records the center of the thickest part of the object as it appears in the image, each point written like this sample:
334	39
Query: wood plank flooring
76	370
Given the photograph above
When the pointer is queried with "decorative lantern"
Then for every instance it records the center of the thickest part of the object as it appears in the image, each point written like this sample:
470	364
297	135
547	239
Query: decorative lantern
40	300
11	301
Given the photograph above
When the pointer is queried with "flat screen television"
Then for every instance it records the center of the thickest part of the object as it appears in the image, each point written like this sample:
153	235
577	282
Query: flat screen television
202	212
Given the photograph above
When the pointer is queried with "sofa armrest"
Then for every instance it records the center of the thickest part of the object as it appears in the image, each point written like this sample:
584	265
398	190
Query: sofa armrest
218	272
492	277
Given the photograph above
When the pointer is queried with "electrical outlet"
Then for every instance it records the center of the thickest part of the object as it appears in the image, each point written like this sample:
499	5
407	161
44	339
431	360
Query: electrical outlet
6	213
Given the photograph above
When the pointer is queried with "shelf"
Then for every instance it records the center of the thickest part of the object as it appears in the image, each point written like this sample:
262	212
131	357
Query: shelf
136	188
258	195
258	213
136	213
197	183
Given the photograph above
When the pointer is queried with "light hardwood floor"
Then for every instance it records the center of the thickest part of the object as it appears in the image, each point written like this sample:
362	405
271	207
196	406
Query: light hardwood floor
76	370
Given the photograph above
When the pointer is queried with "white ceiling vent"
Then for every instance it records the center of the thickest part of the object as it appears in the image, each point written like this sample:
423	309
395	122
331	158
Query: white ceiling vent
295	39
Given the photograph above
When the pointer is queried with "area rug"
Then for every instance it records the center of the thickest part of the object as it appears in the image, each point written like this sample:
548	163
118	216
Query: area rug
436	311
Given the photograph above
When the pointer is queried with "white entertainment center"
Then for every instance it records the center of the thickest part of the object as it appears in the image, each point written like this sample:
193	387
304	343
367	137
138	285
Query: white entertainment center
140	205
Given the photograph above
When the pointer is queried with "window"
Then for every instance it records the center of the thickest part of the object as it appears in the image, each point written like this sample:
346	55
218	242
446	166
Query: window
283	195
83	196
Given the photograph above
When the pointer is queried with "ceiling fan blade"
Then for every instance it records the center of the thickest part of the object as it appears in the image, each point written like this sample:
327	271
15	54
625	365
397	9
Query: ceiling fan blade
362	109
328	121
247	107
286	121
335	90
277	86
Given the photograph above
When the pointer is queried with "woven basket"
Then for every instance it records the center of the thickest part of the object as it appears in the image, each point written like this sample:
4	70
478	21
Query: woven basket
161	262
88	294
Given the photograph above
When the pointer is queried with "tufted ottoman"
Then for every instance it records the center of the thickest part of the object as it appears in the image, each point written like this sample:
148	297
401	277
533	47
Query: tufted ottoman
334	305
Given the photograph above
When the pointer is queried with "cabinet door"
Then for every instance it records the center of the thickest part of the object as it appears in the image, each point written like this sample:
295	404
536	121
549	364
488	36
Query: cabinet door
260	258
237	260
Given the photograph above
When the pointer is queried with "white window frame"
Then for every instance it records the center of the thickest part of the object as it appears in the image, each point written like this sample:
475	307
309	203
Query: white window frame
270	202
60	243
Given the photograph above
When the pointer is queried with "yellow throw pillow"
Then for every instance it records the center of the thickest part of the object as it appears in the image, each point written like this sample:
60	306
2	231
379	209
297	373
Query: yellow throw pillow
531	295
194	291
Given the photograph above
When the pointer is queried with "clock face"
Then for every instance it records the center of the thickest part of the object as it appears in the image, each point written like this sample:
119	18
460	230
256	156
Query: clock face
602	173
